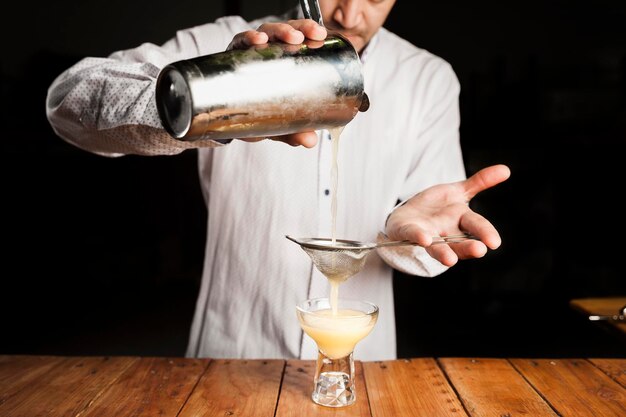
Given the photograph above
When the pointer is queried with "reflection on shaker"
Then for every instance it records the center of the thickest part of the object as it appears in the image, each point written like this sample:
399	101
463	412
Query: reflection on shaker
266	90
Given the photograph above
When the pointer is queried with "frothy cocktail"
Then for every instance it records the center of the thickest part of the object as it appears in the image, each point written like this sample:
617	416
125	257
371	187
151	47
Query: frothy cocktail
336	335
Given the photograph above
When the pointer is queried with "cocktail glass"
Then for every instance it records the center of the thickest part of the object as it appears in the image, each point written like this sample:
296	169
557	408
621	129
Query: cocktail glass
336	335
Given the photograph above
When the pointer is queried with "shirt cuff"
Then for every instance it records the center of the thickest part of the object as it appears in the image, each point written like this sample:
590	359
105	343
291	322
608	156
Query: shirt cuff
410	259
400	204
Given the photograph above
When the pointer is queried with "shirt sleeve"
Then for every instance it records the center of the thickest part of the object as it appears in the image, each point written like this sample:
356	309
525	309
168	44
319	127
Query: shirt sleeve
107	105
412	260
439	160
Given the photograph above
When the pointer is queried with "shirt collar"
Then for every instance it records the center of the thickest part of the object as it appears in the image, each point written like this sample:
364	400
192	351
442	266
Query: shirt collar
368	48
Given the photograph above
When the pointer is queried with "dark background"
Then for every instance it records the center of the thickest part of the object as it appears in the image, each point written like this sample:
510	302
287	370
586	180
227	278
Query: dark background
103	256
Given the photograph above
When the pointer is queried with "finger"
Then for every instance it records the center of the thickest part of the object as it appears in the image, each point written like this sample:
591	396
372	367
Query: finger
311	44
305	139
254	139
412	233
450	253
484	179
248	38
310	29
443	253
476	225
469	249
282	32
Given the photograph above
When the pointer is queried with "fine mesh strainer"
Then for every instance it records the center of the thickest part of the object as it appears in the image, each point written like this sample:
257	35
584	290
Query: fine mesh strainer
343	258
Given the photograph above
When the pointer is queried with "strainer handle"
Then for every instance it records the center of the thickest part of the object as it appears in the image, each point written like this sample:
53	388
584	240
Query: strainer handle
292	239
453	238
436	240
396	243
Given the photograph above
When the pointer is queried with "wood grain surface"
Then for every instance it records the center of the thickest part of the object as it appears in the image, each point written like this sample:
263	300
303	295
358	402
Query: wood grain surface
410	387
66	389
574	387
54	386
150	387
492	387
237	388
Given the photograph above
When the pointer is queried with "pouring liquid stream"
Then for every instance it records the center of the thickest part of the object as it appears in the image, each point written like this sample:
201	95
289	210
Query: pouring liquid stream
335	134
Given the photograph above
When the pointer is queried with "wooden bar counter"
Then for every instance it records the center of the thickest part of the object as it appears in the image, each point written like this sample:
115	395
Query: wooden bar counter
151	386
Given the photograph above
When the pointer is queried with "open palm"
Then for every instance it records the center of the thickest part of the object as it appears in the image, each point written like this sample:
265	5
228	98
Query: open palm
443	210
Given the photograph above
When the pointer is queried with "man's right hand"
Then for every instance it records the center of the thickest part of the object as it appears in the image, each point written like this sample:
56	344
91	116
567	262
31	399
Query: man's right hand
293	32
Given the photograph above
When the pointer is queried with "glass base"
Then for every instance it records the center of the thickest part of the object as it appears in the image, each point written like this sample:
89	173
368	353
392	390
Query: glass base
333	389
334	383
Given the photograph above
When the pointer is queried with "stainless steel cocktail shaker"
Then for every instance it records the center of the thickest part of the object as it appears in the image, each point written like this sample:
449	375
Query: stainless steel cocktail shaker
266	90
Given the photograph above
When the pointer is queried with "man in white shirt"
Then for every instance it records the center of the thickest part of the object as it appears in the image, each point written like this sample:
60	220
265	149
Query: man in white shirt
399	150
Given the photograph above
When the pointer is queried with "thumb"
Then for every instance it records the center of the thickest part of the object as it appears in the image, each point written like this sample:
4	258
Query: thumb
485	178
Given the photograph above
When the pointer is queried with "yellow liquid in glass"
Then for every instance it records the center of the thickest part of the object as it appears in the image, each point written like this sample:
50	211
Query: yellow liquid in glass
336	334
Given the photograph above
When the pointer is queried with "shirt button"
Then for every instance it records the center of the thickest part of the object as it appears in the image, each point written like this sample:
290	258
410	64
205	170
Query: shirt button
326	191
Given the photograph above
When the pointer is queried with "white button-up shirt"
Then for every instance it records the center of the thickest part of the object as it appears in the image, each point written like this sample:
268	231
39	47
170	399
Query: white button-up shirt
257	193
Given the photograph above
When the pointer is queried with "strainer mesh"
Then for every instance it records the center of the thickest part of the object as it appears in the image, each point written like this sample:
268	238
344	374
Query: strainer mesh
338	264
